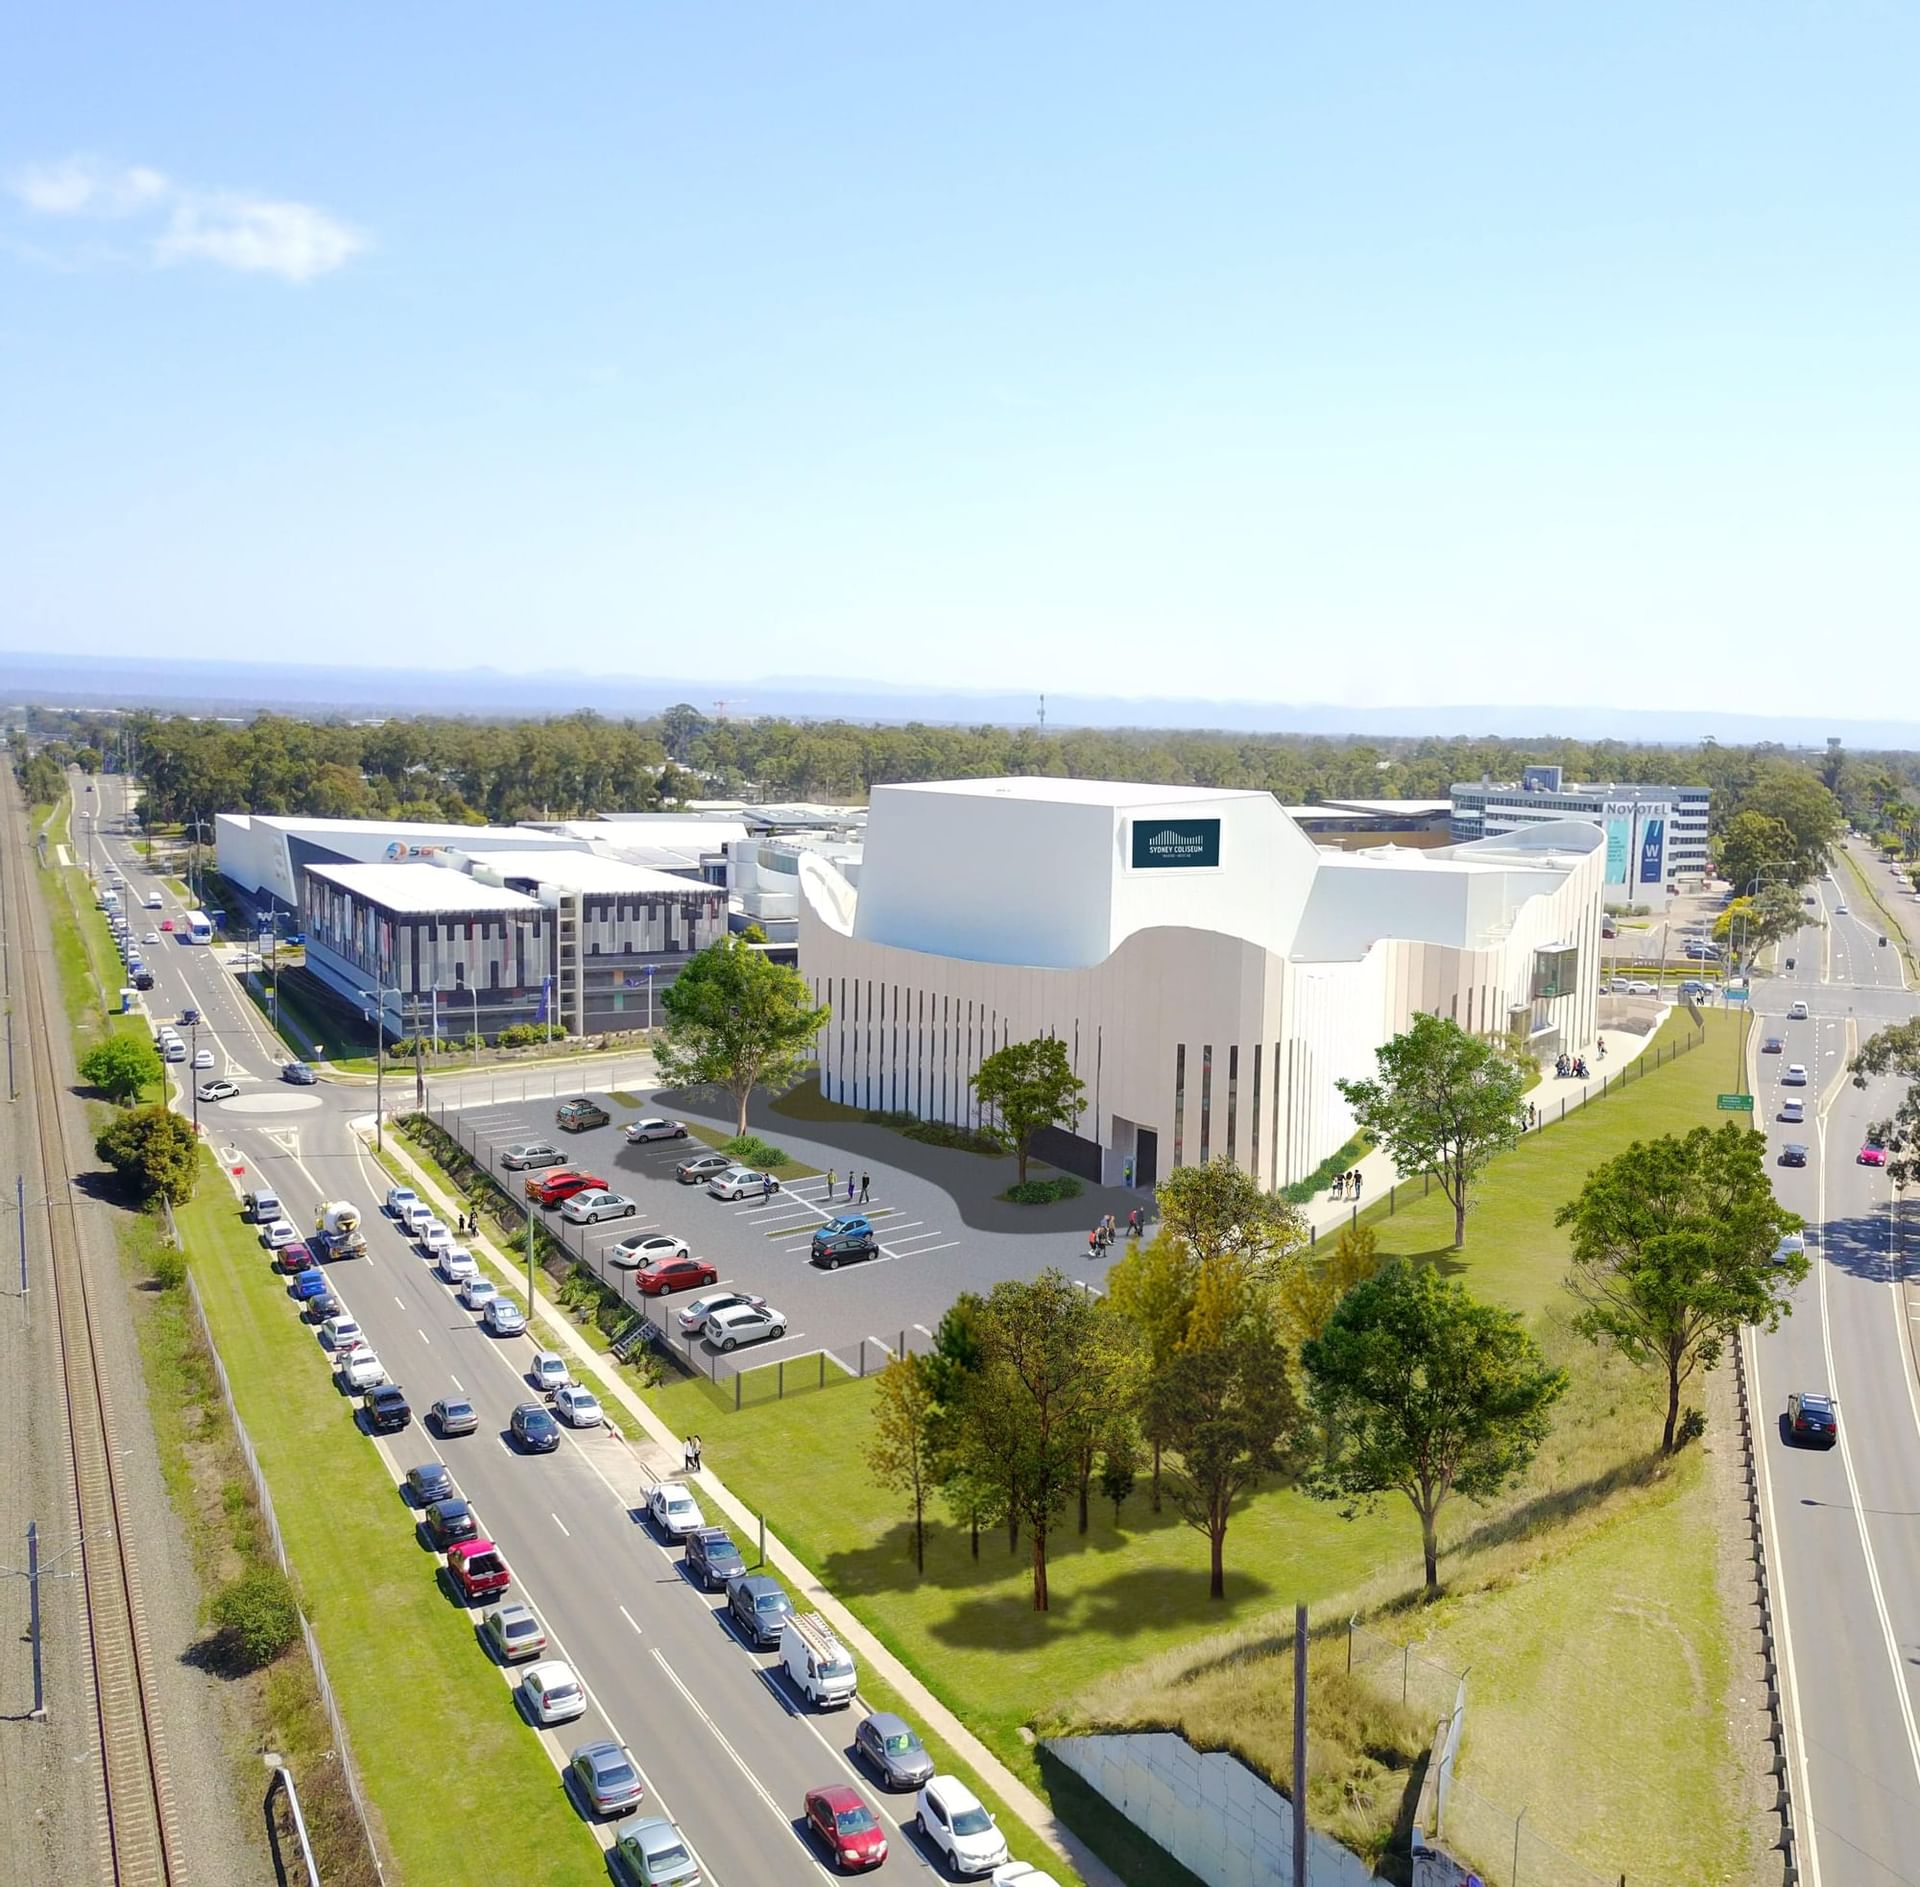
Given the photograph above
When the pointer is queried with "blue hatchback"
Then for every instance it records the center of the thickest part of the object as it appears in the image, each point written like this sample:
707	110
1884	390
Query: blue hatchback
841	1239
309	1284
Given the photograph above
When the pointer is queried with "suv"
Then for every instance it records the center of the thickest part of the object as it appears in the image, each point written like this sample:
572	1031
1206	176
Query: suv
759	1607
576	1116
386	1408
561	1185
712	1558
953	1823
1812	1418
842	1239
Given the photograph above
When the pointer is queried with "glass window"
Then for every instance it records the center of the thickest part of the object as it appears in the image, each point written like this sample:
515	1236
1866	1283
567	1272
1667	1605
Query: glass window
1179	1104
1206	1102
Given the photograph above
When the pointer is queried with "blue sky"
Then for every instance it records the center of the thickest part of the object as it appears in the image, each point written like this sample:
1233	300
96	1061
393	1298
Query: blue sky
1399	353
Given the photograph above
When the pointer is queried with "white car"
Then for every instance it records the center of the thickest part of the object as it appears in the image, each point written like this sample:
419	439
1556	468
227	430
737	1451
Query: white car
553	1693
693	1318
399	1198
643	1248
154	901
577	1407
737	1182
361	1369
415	1215
203	1058
1795	1077
674	1511
595	1204
745	1323
548	1371
341	1334
1796	1012
457	1266
279	1233
477	1293
1639	987
503	1317
1019	1874
952	1822
1792	1245
218	1090
1840	910
153	937
639	1131
434	1238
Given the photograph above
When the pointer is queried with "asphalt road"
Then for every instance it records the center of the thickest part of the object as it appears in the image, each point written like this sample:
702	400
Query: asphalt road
725	1746
1844	1524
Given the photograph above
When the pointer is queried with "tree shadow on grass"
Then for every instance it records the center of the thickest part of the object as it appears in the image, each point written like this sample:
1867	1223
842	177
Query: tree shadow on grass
1558	1505
1147	1598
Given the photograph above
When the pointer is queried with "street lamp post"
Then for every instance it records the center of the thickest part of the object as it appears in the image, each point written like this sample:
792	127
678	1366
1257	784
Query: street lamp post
194	1078
378	996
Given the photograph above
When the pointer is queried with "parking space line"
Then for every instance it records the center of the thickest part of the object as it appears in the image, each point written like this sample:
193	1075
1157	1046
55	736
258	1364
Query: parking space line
924	1249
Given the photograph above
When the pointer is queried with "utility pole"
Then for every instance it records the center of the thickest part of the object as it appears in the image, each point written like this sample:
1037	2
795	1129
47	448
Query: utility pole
34	1573
531	1299
1299	1746
194	1077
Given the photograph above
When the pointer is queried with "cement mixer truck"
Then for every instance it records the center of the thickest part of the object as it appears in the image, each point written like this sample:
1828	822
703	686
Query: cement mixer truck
337	1233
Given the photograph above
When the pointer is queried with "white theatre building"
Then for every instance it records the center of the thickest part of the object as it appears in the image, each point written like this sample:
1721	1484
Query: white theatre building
1211	971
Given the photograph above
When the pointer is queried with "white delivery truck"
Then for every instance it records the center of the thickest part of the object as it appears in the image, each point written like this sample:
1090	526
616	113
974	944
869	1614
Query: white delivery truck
819	1664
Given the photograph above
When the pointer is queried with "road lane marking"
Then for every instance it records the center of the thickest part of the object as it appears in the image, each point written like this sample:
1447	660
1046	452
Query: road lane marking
628	1616
558	1522
422	1335
719	1736
458	1384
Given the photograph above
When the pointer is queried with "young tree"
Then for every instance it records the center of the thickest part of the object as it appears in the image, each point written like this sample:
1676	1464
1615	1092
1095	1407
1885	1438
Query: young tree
154	1150
1028	1085
1428	1394
1152	1287
1220	1212
121	1067
738	1020
901	1453
1673	1244
1748	925
974	1459
1307	1294
1445	1103
1227	1407
1119	1467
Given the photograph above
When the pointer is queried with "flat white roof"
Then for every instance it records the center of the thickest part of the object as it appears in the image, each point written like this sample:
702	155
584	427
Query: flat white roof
583	871
418	888
415	831
1412	807
1115	793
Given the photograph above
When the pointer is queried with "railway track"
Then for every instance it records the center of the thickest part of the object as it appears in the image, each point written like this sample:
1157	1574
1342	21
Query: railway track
141	1846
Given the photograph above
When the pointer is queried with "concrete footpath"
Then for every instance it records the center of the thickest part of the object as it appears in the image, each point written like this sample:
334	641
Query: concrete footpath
932	1713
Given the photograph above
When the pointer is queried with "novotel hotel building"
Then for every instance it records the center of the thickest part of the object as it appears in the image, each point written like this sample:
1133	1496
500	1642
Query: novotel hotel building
1210	970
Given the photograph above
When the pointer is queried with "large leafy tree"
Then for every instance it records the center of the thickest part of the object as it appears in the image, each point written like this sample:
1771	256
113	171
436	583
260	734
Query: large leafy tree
1773	914
901	1452
1754	847
1153	1288
738	1020
1426	1393
1220	1212
1445	1103
122	1067
1791	794
154	1150
1673	1244
1028	1086
974	1460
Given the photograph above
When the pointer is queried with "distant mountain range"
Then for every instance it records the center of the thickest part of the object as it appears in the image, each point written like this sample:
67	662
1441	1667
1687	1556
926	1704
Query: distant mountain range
244	686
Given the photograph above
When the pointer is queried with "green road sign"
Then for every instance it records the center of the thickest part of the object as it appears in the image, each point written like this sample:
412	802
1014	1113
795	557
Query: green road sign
1736	1103
1734	995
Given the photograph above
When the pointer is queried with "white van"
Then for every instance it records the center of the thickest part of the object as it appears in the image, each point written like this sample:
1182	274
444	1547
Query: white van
819	1664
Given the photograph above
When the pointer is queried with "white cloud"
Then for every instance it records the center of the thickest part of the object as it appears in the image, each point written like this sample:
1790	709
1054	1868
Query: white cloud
231	228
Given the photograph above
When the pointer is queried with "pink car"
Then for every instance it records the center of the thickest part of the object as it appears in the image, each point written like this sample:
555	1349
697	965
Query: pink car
1870	1155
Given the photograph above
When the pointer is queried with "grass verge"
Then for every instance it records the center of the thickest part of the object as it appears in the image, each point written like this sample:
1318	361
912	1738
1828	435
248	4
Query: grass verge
722	1141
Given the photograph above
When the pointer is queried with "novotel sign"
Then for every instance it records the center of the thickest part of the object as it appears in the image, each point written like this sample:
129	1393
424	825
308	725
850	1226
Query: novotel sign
1172	844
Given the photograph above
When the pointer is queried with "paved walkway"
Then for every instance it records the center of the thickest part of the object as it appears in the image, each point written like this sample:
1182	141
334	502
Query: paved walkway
932	1713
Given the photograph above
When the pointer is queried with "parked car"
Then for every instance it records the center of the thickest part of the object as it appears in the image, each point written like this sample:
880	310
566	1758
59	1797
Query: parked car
604	1779
222	1090
693	1319
433	1238
278	1232
503	1317
558	1187
596	1203
712	1557
952	1822
577	1407
429	1482
653	1853
642	1248
737	1182
548	1371
759	1608
309	1284
701	1167
890	1748
456	1265
1796	1075
454	1415
361	1369
477	1569
673	1511
745	1323
321	1306
298	1074
1812	1418
478	1292
533	1428
580	1114
341	1334
536	1183
450	1521
654	1128
553	1694
386	1408
415	1214
845	1827
532	1153
840	1241
674	1274
398	1199
293	1256
513	1632
1793	1154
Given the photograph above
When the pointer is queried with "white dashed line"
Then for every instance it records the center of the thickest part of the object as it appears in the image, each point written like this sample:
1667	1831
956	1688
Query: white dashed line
558	1522
628	1616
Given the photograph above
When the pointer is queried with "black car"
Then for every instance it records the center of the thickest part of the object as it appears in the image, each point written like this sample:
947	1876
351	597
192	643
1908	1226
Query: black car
386	1408
1813	1419
188	1017
712	1557
1773	1045
844	1240
449	1521
577	1115
889	1747
428	1483
320	1306
534	1429
759	1608
1793	1154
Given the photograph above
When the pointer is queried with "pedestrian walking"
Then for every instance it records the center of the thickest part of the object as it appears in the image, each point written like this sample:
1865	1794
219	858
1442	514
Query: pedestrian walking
1093	1243
1339	1182
1129	1171
698	1448
1355	1176
1113	1230
866	1180
849	1185
766	1186
686	1456
829	1185
1136	1222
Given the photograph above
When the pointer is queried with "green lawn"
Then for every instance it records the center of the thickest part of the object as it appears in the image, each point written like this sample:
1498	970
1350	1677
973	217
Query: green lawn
449	1765
1553	1555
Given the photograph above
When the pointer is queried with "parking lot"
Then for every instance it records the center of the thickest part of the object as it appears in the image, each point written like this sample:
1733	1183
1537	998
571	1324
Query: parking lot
940	1226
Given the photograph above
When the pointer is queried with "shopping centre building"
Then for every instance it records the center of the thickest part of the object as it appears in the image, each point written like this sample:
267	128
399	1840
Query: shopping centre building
1211	971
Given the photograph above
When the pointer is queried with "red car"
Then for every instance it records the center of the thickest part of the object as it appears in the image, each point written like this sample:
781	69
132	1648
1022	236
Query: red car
166	923
846	1827
561	1184
477	1570
1870	1155
293	1258
673	1274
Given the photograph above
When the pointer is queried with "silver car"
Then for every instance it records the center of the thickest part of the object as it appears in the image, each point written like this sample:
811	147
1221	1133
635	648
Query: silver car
639	1131
590	1207
533	1153
605	1779
653	1853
